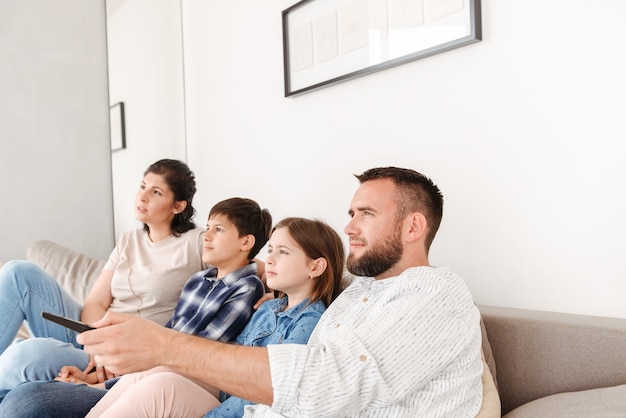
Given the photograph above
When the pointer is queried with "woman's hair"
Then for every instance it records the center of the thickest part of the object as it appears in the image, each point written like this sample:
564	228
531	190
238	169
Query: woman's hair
317	239
182	182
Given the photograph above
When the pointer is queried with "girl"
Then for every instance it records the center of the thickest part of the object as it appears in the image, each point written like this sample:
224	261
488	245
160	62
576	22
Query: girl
305	266
143	276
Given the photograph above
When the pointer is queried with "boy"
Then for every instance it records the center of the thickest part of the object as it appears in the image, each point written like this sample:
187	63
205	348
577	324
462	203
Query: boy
217	303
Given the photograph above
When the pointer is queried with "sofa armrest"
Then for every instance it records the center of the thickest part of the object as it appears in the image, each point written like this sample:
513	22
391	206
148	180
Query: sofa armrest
540	353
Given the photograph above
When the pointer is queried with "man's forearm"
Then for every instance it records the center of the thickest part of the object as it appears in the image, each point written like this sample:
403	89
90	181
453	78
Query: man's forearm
125	344
239	370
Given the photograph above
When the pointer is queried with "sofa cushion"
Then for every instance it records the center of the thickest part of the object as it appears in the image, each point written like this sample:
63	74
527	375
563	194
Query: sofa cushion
540	353
75	272
487	353
490	407
596	403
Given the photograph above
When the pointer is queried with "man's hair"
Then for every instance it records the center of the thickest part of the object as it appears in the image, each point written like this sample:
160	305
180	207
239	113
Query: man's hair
416	193
182	182
248	218
318	240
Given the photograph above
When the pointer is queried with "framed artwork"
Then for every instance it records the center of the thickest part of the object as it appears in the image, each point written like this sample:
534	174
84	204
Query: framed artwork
329	41
118	127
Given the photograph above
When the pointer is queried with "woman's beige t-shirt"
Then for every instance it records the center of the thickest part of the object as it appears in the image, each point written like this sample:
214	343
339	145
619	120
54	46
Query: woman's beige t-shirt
149	276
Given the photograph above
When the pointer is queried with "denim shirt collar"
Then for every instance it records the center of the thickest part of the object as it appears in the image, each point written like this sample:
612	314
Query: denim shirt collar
278	306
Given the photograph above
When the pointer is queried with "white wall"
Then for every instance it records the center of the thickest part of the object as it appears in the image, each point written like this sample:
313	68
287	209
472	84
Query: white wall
522	131
55	165
146	73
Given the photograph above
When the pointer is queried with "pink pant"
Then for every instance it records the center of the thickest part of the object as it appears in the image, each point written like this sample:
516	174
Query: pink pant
158	392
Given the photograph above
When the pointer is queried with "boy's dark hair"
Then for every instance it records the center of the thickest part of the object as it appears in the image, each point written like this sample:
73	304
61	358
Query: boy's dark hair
417	193
182	182
248	218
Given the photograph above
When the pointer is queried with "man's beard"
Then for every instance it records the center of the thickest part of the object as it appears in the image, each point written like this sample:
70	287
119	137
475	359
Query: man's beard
378	259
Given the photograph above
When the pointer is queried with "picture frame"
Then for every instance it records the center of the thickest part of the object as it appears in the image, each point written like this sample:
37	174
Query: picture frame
330	41
118	126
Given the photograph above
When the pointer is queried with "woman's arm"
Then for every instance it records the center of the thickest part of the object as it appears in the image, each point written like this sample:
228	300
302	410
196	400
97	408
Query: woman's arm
99	298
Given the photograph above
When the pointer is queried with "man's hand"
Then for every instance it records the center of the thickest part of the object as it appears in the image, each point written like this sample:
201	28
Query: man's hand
124	344
101	373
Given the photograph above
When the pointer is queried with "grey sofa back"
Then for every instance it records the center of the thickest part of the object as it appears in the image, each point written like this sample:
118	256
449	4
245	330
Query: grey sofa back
538	353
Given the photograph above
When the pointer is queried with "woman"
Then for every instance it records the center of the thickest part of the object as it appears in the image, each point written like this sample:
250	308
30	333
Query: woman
143	276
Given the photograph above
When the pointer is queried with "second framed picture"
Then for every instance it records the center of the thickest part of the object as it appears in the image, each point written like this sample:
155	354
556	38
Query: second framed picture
118	127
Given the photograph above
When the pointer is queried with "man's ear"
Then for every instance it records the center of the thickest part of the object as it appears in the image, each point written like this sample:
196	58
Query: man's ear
417	226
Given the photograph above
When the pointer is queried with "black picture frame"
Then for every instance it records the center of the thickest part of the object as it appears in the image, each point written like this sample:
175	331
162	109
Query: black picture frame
118	126
330	41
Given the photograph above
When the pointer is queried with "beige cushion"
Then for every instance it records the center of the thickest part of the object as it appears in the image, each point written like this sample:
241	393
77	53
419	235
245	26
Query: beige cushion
594	403
488	354
490	407
75	272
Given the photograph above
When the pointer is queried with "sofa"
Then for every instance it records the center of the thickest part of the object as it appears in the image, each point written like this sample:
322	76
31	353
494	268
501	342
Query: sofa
549	364
540	364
